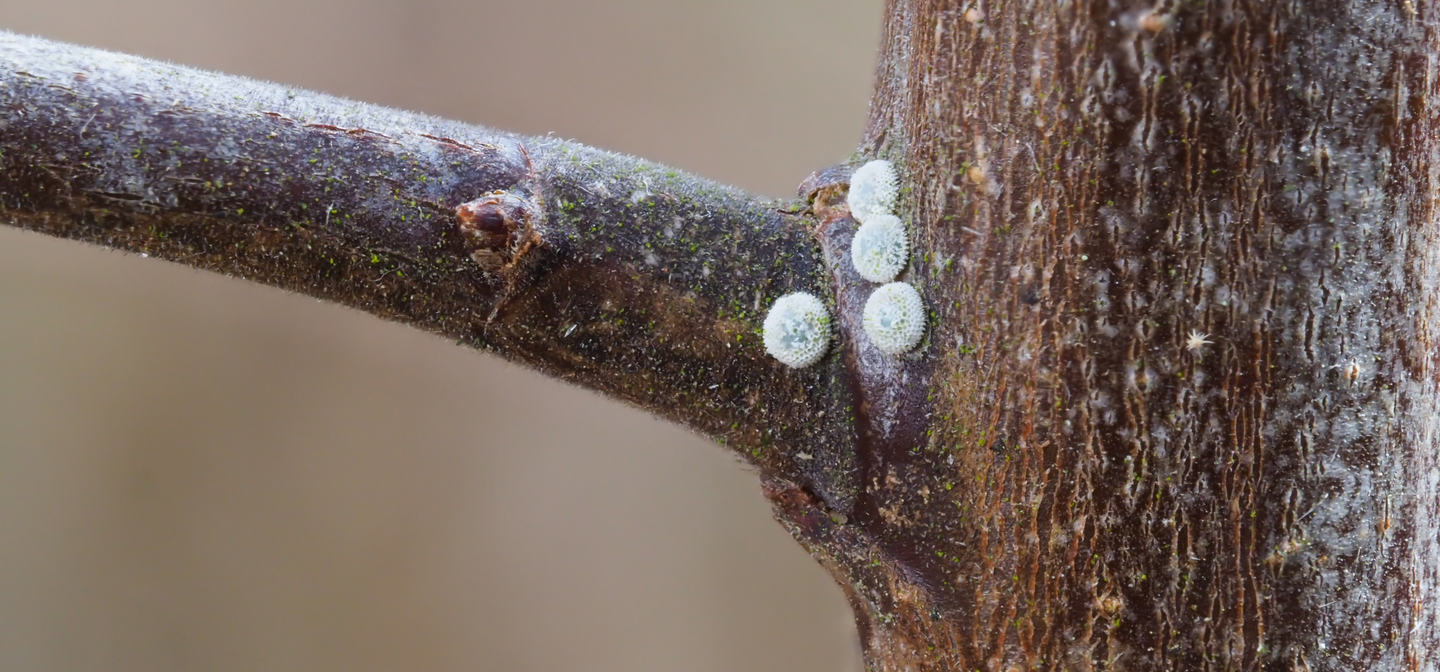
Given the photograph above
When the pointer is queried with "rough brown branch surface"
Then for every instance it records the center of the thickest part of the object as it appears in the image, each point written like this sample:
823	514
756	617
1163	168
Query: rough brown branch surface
1181	259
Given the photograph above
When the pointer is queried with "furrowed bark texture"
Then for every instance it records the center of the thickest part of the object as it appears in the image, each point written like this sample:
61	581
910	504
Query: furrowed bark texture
1090	183
607	271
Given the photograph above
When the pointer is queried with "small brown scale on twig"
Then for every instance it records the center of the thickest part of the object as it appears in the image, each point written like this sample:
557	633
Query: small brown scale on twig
493	227
825	190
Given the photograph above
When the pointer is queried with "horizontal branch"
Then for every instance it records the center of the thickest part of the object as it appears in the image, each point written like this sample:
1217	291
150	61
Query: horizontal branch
616	274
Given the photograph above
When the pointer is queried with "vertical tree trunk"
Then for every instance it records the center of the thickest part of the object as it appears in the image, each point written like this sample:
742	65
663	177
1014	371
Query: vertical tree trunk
1178	395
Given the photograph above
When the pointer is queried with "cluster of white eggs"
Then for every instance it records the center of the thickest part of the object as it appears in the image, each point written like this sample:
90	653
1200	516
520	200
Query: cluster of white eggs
797	328
894	317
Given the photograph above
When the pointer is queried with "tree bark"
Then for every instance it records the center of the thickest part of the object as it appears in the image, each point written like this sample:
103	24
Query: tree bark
1177	406
614	273
1175	409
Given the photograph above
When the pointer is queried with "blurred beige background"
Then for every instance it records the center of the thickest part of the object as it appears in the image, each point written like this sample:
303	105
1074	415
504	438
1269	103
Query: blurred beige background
201	474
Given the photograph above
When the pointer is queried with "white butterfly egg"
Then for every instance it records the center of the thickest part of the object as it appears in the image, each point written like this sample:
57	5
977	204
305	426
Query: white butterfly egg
894	318
873	190
797	330
880	248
